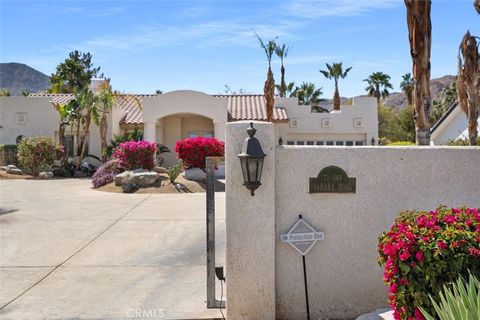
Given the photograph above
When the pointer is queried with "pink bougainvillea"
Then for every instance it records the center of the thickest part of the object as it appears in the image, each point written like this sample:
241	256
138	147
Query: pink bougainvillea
136	155
425	250
193	151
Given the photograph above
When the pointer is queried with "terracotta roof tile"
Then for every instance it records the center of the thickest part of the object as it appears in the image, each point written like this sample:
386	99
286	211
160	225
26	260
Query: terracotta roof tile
240	107
251	107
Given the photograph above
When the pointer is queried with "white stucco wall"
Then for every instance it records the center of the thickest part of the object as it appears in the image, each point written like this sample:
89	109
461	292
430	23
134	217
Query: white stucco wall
455	126
344	278
42	120
184	101
356	122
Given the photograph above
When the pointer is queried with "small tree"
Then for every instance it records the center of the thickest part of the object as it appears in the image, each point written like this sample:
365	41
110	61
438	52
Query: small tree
307	93
269	88
37	152
74	74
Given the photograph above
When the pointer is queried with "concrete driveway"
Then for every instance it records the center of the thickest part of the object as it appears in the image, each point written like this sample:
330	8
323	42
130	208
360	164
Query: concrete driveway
70	252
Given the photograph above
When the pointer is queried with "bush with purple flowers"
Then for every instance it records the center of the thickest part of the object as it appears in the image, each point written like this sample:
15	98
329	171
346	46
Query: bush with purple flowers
106	172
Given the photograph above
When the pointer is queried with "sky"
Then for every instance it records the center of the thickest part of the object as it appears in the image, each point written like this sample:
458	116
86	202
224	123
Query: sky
204	45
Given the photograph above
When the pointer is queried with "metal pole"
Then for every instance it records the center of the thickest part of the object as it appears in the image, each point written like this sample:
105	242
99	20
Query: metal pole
210	182
306	287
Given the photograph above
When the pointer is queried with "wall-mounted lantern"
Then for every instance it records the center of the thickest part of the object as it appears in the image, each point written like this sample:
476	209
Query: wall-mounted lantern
251	159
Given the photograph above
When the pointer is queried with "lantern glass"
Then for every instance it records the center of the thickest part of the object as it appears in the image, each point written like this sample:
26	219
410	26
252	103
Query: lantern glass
251	161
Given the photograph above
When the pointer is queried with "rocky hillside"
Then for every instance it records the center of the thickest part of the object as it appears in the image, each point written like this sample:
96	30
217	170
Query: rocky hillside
16	77
397	100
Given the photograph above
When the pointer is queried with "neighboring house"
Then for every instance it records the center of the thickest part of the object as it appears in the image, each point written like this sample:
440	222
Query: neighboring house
167	118
452	125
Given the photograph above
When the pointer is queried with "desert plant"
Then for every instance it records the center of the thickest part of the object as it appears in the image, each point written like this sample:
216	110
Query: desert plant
135	135
136	155
459	301
462	142
37	152
174	171
425	250
106	173
193	151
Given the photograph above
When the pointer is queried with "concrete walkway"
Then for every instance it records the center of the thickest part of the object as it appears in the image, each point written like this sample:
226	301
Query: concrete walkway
70	252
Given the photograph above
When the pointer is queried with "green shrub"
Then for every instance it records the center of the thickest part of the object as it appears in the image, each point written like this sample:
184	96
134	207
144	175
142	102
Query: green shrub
423	250
460	301
174	171
37	152
462	142
401	143
8	154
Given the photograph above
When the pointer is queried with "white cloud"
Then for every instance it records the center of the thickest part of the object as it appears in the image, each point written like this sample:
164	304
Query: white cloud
328	8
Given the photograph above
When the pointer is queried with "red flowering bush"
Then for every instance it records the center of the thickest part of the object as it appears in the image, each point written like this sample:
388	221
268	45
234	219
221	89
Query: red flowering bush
136	155
193	151
425	250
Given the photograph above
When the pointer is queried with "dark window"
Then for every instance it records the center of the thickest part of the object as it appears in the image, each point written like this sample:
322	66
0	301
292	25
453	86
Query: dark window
300	143
359	143
320	143
339	143
329	143
290	143
349	143
310	143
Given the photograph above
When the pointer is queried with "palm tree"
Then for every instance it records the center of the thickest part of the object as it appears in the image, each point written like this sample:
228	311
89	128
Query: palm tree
468	83
335	72
106	99
307	93
378	85
407	87
269	88
420	38
282	52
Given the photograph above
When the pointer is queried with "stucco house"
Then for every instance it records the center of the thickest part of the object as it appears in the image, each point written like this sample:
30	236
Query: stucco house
167	118
452	125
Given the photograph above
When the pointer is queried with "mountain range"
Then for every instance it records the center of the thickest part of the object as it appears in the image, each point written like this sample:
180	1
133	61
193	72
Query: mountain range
17	77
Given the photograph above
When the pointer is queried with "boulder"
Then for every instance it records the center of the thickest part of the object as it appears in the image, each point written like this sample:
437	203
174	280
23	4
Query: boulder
141	178
3	168
195	174
45	175
160	170
15	171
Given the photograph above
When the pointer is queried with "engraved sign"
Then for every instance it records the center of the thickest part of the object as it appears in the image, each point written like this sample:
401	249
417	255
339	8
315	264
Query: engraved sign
302	236
332	179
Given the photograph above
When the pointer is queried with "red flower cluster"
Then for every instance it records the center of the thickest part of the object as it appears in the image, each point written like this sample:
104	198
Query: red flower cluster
136	155
193	151
424	250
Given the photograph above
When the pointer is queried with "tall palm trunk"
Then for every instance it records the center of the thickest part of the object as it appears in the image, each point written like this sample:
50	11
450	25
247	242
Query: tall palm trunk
336	98
377	94
269	91
85	139
468	84
409	98
283	85
420	37
103	135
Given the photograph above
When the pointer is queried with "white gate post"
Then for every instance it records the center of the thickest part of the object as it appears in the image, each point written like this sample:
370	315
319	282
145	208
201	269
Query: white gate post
250	229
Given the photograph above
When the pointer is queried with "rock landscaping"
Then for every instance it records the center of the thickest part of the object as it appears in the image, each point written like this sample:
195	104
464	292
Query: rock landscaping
195	174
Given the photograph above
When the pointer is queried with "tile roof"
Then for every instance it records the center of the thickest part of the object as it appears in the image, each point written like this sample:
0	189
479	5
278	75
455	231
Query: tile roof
240	107
251	107
62	98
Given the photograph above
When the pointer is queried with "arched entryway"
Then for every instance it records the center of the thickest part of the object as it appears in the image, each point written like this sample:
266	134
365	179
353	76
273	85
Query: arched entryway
179	126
